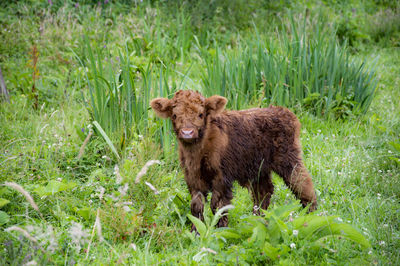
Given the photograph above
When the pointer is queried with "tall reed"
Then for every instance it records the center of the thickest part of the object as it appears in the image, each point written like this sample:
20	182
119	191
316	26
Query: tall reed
310	69
119	95
119	92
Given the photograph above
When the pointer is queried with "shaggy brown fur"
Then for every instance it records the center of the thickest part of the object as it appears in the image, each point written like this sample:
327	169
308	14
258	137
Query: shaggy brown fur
217	147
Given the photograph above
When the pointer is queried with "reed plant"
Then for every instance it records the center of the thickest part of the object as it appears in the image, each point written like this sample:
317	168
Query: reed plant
298	67
118	92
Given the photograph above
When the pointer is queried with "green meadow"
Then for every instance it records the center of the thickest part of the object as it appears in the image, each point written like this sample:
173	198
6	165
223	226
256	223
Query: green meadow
90	176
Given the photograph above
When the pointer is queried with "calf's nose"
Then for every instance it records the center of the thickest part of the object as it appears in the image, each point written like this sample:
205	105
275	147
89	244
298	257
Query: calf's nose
187	133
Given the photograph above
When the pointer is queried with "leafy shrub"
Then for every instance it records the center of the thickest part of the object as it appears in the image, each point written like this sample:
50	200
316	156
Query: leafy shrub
272	237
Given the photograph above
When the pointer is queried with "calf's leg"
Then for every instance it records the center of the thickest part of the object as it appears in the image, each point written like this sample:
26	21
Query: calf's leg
262	190
221	196
298	179
197	205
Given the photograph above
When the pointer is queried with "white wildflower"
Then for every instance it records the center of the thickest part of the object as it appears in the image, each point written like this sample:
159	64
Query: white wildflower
295	232
292	245
382	243
339	219
133	246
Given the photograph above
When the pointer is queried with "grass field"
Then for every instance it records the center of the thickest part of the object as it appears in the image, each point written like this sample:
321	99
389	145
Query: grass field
78	129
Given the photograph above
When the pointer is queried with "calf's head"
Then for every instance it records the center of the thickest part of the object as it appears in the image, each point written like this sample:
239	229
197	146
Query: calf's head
188	111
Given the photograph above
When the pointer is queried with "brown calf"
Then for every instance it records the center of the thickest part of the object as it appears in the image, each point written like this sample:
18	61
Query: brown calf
217	147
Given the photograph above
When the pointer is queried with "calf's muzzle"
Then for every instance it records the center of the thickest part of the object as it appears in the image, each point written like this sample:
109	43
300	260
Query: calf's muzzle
187	133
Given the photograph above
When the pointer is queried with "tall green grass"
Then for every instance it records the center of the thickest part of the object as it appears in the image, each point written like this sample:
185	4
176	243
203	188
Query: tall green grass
296	68
118	92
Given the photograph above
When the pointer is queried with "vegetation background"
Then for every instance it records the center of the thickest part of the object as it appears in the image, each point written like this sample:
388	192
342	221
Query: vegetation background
88	174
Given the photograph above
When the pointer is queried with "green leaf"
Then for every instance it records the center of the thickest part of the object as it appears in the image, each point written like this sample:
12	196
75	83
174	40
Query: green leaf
227	233
198	257
394	159
276	229
4	218
220	213
106	138
3	202
85	212
347	231
284	211
271	251
395	145
190	235
259	235
54	187
308	225
200	226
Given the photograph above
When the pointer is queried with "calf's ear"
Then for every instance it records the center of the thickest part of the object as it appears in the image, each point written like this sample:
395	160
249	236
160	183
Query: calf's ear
162	107
215	104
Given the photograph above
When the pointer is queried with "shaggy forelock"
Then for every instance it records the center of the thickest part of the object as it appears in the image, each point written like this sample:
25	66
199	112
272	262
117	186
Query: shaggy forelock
186	101
188	97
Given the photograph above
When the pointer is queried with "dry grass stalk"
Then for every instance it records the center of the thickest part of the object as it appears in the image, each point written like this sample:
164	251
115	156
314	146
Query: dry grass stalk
23	232
118	177
97	227
152	188
208	250
25	193
85	142
143	171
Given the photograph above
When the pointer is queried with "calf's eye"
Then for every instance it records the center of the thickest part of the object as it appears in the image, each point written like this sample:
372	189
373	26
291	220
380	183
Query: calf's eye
173	117
201	115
